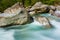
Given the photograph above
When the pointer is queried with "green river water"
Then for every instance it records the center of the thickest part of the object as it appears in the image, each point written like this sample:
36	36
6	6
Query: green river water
32	31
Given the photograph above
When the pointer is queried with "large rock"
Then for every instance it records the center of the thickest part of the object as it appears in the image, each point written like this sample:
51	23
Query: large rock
36	6
44	8
32	13
52	7
17	17
21	18
44	21
39	8
15	9
58	7
55	11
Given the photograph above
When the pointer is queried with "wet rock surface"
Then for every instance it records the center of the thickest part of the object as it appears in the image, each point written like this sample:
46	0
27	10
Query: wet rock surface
44	21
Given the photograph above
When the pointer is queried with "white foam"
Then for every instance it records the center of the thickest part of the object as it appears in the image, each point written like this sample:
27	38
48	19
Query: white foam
6	35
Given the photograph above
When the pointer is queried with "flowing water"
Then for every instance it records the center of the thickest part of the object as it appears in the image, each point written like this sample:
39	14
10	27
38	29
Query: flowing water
32	31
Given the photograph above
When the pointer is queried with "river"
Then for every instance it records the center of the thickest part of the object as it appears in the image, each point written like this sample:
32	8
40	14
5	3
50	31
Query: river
32	31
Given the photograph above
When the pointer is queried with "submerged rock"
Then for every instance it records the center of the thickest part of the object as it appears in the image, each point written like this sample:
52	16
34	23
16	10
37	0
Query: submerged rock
44	21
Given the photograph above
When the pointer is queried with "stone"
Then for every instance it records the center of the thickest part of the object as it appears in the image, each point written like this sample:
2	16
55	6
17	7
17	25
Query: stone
44	21
19	16
39	8
51	12
52	7
55	11
36	6
15	9
19	19
58	7
44	8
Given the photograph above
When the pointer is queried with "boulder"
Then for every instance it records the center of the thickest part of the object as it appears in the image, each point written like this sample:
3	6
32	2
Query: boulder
36	6
32	13
19	19
51	12
52	7
44	21
55	11
39	8
58	7
18	16
15	9
44	8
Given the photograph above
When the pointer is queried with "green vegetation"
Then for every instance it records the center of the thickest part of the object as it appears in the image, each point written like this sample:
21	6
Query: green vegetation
7	3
